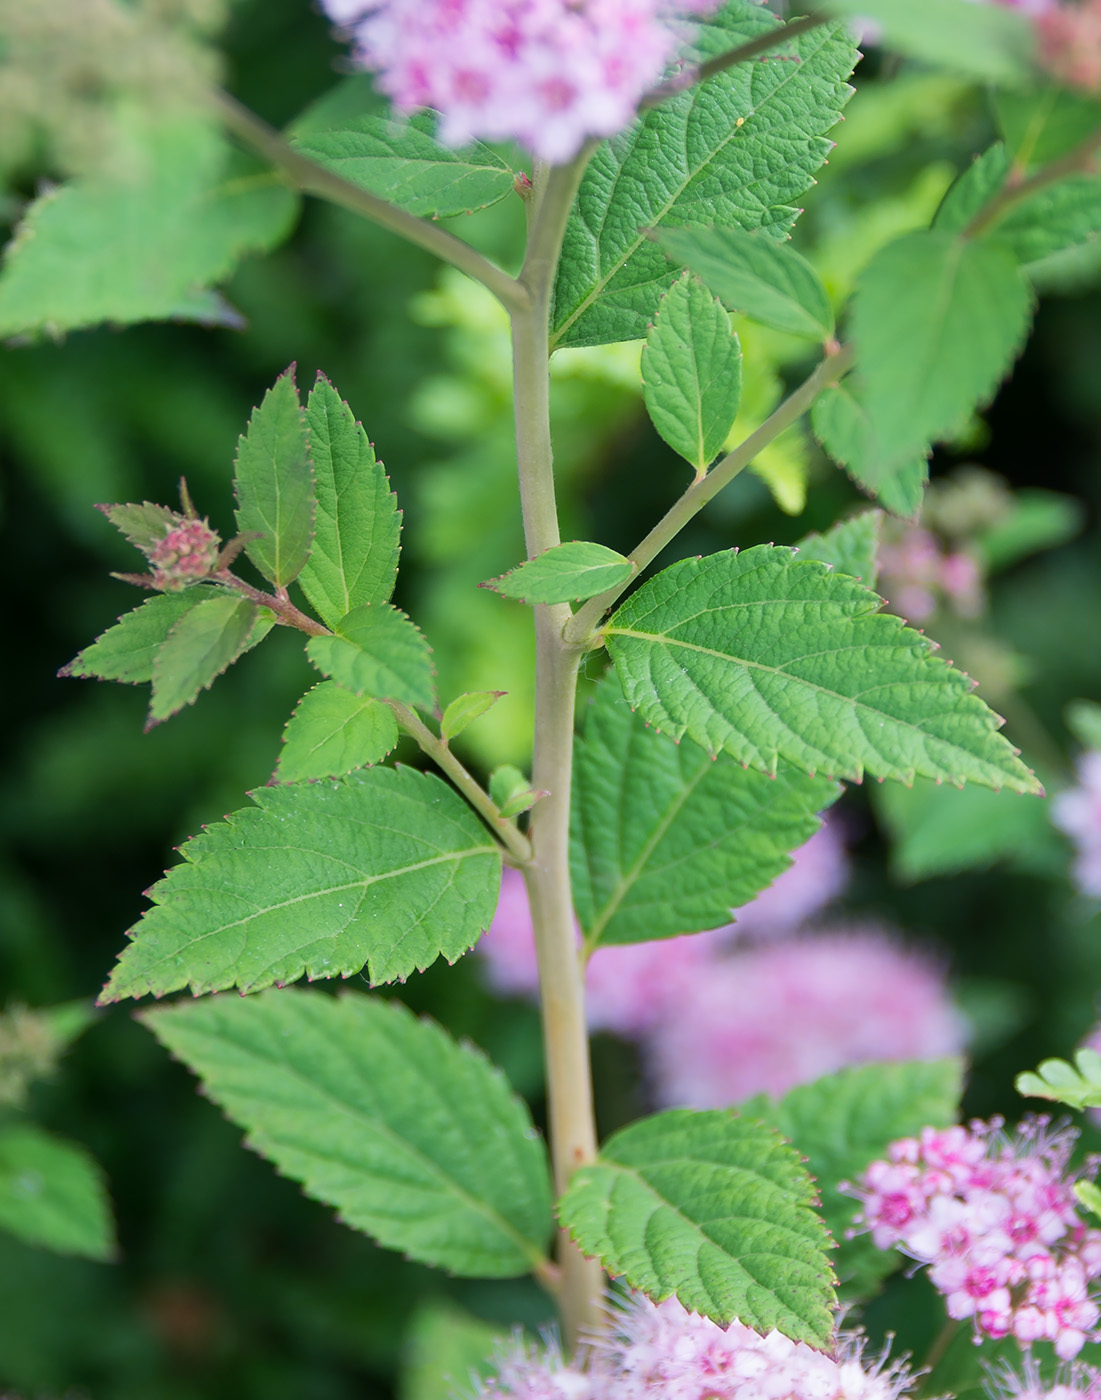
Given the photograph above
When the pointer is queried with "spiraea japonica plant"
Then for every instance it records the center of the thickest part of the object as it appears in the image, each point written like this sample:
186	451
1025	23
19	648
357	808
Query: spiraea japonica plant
661	153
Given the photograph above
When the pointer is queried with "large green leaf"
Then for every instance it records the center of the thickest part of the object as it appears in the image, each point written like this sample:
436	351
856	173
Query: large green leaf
126	651
402	161
664	839
937	321
332	732
206	641
983	41
414	1139
736	150
53	1194
358	525
771	657
850	546
840	423
378	651
692	373
750	272
137	242
565	573
843	1122
274	484
714	1209
386	867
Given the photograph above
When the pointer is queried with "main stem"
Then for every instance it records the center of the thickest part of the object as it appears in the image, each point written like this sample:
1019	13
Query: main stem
572	1125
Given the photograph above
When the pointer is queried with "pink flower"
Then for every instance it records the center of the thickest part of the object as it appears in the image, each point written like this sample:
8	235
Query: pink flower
546	73
1078	813
787	1013
1071	1383
186	554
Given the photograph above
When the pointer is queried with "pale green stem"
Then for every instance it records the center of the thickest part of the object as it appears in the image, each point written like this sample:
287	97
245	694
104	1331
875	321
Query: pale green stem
572	1126
579	629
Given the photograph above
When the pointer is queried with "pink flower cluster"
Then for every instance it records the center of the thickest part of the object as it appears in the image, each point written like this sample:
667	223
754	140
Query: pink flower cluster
546	73
1078	813
1075	1382
917	575
996	1221
718	1020
187	553
664	1350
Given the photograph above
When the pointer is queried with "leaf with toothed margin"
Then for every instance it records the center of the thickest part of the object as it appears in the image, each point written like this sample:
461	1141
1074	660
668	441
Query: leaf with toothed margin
126	651
354	560
840	423
204	643
416	1140
273	483
378	651
734	151
770	657
333	732
143	525
565	573
663	839
386	867
53	1194
849	546
465	709
715	1209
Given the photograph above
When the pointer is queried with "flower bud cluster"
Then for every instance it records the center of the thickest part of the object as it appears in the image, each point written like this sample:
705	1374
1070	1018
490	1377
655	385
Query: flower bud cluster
186	554
996	1221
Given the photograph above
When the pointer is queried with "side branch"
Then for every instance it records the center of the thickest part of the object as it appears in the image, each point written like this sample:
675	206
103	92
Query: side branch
312	178
579	630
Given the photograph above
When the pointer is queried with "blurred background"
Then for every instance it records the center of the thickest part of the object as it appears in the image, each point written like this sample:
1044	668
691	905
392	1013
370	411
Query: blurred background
229	1283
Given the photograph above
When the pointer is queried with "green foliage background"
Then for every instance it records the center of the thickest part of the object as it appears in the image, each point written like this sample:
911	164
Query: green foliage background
231	1284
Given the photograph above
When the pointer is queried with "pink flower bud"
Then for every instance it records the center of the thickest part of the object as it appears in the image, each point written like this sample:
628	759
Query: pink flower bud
187	554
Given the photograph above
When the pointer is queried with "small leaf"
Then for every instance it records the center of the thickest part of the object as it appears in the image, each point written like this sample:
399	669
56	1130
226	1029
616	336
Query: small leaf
521	802
387	867
274	484
53	1194
333	732
378	651
1083	719
143	525
206	641
358	525
507	783
937	322
126	651
850	546
1077	1085
565	573
415	1140
692	373
465	709
1035	520
982	41
401	160
843	1122
714	1209
770	658
663	839
840	423
752	273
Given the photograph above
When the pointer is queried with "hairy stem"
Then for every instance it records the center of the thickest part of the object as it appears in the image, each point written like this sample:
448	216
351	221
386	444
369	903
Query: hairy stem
561	985
312	178
579	630
507	832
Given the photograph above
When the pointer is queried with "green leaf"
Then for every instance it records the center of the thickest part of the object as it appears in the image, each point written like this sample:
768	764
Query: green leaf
415	1140
983	41
206	641
565	573
358	525
135	242
378	651
465	709
1041	125
735	151
386	867
937	322
444	1350
714	1209
850	546
840	423
1036	520
143	525
770	658
401	160
692	373
1061	216
974	189
332	732
274	484
507	783
126	651
1083	719
1077	1085
750	272
663	839
843	1122
53	1194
